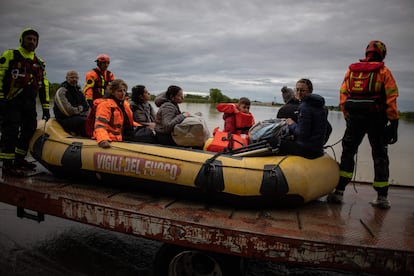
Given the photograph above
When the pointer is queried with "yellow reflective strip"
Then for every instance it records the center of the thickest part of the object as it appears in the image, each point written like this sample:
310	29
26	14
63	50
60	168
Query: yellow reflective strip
7	156
371	78
103	84
348	81
380	184
345	174
391	91
20	151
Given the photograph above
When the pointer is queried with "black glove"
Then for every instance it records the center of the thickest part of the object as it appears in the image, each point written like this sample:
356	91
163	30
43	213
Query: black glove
391	132
46	115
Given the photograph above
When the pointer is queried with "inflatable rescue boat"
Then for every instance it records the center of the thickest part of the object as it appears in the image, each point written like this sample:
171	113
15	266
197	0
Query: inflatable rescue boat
274	180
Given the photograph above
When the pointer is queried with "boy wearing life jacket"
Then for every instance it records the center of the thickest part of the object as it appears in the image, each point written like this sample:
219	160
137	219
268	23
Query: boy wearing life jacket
237	117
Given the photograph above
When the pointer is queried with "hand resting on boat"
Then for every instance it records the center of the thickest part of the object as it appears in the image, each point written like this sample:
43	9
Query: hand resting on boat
104	144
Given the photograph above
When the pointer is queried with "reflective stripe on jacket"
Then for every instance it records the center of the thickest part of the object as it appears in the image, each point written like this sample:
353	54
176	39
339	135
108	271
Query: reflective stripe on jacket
23	72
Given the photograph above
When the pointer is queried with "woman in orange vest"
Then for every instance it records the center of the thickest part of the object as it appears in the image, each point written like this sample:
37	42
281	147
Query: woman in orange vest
113	115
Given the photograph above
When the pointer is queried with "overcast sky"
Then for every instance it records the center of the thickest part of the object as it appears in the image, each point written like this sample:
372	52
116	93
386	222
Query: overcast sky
244	48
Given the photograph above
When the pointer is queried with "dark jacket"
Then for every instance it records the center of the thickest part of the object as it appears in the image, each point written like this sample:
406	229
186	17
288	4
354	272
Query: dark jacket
289	110
69	101
310	130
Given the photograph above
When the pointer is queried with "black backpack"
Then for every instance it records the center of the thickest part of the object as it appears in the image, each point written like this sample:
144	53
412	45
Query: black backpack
271	130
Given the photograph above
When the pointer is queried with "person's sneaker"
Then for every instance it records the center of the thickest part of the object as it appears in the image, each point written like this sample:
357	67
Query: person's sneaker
381	202
336	197
12	170
24	164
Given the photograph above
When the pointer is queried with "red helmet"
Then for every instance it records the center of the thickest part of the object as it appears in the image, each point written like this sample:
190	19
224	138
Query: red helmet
102	58
377	47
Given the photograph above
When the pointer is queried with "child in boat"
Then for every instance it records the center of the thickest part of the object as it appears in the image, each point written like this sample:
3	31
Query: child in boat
237	117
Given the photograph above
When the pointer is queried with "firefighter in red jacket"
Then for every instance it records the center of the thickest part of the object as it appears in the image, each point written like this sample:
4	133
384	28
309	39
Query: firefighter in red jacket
22	77
98	79
368	99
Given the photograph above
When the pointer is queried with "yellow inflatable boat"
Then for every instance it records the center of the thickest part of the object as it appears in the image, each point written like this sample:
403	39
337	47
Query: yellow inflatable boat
274	180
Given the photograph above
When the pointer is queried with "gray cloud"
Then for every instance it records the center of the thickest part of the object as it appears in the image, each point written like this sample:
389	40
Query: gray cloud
244	48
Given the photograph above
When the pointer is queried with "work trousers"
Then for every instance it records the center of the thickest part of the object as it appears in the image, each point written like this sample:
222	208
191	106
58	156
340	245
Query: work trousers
74	124
18	126
374	126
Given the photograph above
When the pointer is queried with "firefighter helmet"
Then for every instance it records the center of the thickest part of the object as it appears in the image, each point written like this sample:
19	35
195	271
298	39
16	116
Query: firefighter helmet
102	58
377	47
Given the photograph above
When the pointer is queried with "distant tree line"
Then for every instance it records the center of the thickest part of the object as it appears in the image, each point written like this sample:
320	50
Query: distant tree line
216	96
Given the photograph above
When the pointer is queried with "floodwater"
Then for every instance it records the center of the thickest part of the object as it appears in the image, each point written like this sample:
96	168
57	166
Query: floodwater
61	247
401	154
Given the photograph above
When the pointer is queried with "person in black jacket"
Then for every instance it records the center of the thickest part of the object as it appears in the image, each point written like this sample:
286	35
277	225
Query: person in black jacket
309	132
71	107
290	108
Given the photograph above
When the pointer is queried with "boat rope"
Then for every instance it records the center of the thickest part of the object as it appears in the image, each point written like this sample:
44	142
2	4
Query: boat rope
356	161
332	148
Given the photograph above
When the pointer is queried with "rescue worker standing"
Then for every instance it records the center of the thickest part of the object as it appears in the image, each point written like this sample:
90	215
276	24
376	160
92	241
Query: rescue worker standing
368	99
22	77
98	79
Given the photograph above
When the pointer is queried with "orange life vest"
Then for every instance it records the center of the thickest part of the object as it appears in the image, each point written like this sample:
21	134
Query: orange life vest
242	121
96	83
224	140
